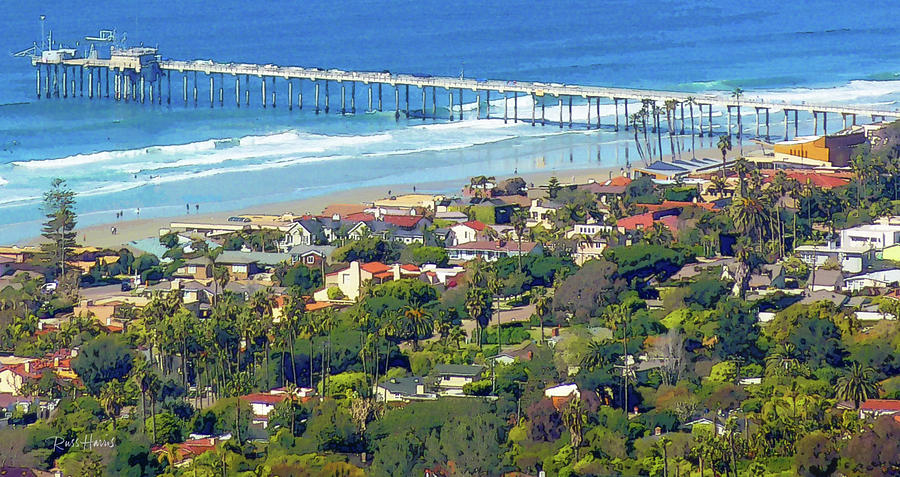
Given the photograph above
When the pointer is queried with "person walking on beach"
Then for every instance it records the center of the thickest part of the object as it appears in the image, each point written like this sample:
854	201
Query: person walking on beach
188	207
197	208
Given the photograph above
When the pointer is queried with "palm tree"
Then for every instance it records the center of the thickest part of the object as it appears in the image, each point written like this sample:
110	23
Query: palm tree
741	168
620	315
495	285
671	105
113	398
574	417
858	385
478	306
518	220
635	118
783	360
656	112
293	321
724	145
262	305
542	302
456	335
749	218
595	356
719	183
418	322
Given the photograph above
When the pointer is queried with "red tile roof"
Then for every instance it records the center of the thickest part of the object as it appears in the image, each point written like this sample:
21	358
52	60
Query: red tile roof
618	181
475	225
409	267
635	222
359	217
374	267
383	275
407	221
818	179
264	398
890	405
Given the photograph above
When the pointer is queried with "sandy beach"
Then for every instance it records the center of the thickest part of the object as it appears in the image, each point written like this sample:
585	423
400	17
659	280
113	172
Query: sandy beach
132	230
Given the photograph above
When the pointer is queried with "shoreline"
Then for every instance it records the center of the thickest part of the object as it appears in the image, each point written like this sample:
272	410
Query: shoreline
137	229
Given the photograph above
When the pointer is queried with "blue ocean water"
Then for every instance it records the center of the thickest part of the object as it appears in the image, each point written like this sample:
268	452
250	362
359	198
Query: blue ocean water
124	156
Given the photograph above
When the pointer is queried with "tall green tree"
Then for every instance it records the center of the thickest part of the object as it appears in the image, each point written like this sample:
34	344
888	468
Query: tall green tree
59	209
857	385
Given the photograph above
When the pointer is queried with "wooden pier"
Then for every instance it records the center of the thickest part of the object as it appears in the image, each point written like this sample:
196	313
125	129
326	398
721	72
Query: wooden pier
139	74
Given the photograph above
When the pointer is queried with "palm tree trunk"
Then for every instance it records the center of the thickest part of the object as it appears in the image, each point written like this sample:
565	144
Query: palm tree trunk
293	363
312	355
268	382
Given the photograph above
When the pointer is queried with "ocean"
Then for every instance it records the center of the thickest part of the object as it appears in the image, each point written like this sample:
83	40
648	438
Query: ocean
157	158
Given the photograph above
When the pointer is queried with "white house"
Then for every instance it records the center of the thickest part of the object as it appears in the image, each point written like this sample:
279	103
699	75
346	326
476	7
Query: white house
466	232
884	233
491	250
880	279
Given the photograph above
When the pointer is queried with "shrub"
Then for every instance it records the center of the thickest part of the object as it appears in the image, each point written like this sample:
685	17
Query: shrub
478	388
335	293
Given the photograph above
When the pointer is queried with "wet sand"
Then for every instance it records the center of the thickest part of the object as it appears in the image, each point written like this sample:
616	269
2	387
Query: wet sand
132	230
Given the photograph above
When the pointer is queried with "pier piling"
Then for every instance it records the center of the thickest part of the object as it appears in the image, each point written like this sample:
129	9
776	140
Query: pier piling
488	105
353	97
290	95
560	113
505	106
396	103
450	93
317	98
327	100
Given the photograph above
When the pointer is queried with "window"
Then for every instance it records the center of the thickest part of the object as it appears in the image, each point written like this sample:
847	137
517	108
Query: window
311	259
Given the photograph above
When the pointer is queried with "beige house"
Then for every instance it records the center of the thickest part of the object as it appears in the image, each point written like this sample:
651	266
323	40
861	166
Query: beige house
452	377
402	390
542	212
351	280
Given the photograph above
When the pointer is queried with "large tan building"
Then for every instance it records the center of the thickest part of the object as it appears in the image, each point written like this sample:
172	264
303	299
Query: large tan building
819	151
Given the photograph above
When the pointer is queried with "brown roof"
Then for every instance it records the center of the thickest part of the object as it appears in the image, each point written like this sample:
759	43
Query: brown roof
494	245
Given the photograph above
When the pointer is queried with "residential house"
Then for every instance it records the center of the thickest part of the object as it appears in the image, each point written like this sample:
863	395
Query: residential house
12	376
766	277
590	242
609	190
873	408
492	250
542	212
452	377
645	221
198	268
825	280
850	258
883	279
264	403
467	232
452	216
313	256
435	275
242	264
402	390
309	231
522	353
351	280
561	394
18	254
885	232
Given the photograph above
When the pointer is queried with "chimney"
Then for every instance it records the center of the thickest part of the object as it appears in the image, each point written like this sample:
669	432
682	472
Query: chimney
336	217
27	366
56	361
396	270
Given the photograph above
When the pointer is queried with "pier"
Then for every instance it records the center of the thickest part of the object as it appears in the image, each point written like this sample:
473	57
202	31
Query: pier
140	74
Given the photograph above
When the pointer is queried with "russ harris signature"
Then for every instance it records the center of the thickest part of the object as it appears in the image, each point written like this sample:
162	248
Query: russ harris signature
87	443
